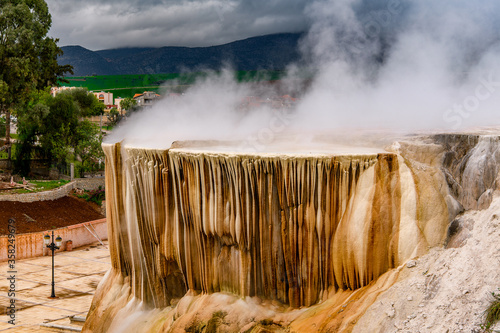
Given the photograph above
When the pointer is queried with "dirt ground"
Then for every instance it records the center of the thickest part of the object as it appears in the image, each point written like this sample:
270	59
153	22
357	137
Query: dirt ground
46	215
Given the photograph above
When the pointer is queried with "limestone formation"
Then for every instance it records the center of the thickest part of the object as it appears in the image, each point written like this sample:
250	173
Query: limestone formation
206	237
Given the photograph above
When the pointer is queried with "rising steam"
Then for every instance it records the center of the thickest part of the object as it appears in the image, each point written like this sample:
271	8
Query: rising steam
393	65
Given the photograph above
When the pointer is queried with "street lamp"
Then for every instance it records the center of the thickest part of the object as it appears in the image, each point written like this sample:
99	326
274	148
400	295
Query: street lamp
53	246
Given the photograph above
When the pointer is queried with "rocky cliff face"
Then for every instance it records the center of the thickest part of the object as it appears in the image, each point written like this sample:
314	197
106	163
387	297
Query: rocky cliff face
205	239
469	162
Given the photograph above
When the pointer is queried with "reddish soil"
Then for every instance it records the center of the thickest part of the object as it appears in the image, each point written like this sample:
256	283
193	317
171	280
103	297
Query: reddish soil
46	215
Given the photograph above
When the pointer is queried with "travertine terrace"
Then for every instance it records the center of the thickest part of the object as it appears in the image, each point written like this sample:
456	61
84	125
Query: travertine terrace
205	237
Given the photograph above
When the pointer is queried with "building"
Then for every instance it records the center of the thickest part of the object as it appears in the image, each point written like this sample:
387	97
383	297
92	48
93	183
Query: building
147	98
104	97
117	103
56	90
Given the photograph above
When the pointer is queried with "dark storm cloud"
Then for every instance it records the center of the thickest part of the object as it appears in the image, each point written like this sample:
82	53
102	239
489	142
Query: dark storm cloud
119	23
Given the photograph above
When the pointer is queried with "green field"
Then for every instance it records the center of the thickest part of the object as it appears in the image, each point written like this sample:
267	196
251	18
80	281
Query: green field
129	85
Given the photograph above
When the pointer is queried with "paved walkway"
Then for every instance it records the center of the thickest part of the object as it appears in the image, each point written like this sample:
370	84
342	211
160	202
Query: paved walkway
77	274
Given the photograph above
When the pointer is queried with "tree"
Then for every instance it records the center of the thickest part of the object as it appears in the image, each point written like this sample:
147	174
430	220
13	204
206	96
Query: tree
128	104
30	118
88	146
113	116
88	104
53	127
28	58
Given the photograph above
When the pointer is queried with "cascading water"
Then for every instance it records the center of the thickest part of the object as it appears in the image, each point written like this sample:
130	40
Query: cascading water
296	228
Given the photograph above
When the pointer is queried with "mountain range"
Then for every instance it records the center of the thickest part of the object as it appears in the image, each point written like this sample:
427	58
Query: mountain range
272	52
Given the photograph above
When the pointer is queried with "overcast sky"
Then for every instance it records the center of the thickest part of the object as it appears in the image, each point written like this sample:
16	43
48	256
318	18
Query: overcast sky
108	24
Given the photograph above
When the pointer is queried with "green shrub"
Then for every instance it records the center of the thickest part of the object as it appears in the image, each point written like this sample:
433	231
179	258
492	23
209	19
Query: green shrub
492	313
96	196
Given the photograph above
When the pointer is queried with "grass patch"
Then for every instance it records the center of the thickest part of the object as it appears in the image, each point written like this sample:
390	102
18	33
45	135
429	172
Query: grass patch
49	184
492	313
40	186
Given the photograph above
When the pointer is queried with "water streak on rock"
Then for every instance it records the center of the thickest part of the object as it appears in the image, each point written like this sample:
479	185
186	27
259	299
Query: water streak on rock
295	228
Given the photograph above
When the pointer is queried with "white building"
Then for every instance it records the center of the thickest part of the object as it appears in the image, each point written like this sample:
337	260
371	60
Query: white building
104	97
56	90
117	103
147	98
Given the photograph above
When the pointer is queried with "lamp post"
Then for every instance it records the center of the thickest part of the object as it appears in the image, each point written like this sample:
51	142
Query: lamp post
53	246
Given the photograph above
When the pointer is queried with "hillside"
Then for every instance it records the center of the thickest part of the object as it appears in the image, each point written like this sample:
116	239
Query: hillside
272	52
85	61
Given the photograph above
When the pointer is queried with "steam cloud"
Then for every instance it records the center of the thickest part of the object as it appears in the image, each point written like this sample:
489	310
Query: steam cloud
394	65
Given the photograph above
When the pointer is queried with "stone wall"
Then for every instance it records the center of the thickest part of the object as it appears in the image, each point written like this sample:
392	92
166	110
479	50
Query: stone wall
89	184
